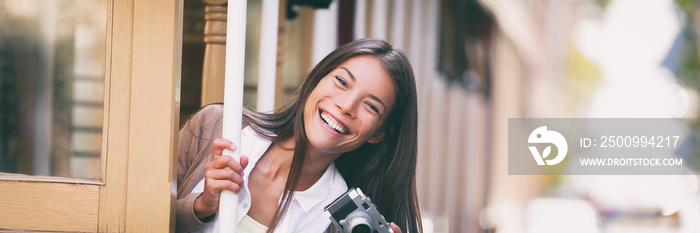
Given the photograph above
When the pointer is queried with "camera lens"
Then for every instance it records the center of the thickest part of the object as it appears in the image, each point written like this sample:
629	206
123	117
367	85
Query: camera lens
358	221
361	229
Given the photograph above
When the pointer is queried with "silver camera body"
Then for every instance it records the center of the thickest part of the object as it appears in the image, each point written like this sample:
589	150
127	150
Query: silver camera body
354	212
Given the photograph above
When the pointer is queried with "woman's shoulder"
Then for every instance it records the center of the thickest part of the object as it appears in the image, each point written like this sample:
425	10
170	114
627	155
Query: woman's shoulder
203	122
211	110
214	111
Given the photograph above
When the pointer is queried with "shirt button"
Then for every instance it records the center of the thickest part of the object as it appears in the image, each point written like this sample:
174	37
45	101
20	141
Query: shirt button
245	205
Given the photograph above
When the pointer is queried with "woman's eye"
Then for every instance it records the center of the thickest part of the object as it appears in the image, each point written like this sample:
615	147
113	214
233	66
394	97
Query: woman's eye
341	81
374	108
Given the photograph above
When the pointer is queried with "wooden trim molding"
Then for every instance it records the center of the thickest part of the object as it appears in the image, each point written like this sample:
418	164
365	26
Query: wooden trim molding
112	206
154	116
25	204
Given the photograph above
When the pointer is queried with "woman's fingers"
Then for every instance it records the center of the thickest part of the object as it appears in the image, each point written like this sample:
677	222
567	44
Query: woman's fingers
227	161
217	169
218	185
395	228
236	166
221	173
244	161
221	161
219	145
225	175
208	203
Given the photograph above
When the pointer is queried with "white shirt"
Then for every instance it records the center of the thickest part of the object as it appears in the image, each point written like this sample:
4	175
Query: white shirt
305	213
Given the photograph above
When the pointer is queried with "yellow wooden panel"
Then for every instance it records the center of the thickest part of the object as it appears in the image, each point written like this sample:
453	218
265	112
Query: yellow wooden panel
154	116
48	206
112	209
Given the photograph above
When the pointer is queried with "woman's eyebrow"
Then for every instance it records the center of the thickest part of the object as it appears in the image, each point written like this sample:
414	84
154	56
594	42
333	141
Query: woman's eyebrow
377	99
350	73
370	95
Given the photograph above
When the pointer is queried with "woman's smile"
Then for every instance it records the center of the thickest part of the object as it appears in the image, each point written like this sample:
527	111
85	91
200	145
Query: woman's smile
332	124
349	104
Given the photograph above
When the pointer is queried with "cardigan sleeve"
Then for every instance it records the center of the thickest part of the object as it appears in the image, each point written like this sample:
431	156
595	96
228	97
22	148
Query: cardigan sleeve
196	138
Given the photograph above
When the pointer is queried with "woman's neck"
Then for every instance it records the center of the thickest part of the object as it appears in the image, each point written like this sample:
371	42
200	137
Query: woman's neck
315	163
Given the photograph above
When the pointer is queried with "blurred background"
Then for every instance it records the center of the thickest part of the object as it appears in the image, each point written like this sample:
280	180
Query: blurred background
480	62
477	63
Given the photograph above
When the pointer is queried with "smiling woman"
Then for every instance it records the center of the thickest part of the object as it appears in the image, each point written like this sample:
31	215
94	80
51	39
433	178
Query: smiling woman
348	105
351	123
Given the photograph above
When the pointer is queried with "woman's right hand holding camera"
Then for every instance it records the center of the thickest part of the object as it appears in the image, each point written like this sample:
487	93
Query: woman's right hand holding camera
221	173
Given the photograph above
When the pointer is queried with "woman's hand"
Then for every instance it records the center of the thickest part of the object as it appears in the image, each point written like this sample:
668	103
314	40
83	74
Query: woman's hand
221	173
395	228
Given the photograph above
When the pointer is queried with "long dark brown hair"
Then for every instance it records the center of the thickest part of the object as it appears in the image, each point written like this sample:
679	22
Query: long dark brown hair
385	171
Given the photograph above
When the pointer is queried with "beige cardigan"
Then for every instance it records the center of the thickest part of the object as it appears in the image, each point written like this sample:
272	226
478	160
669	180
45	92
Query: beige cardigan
196	138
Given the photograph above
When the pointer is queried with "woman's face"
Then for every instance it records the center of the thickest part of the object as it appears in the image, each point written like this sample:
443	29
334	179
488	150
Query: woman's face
349	105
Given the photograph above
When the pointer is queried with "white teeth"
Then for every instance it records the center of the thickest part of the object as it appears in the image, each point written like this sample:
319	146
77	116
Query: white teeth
332	123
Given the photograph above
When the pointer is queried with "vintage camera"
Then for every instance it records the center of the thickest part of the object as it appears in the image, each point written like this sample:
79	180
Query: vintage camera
353	212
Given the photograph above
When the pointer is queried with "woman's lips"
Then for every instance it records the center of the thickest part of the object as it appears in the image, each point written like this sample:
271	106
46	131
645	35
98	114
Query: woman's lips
333	123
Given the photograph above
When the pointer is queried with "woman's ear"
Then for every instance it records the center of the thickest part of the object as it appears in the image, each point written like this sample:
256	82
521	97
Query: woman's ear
379	136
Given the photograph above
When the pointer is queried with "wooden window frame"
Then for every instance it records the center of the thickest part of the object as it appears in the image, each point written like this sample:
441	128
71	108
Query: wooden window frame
136	190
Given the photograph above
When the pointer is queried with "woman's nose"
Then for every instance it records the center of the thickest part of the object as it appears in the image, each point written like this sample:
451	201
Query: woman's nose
347	105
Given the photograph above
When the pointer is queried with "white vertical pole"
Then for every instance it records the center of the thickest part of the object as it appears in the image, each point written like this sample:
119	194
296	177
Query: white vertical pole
233	103
268	55
398	24
360	19
325	32
415	46
379	11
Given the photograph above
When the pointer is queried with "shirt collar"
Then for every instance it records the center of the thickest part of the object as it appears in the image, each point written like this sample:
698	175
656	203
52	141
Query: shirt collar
318	192
307	199
254	147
